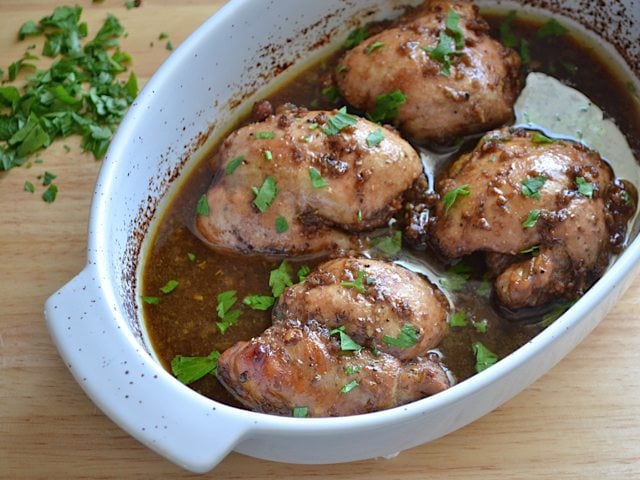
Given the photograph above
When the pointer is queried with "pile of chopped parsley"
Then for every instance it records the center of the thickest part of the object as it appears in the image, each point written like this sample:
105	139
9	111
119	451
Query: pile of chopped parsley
78	94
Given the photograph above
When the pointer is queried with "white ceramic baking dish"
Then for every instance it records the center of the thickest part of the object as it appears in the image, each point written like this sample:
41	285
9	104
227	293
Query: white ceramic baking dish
95	320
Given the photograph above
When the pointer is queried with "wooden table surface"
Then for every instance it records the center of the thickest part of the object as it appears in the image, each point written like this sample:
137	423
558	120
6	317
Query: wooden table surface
581	420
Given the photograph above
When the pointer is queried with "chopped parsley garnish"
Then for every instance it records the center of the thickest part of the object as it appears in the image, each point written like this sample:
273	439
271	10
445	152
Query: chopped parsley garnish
531	250
47	178
268	156
456	277
375	138
50	194
303	271
452	24
341	68
532	185
585	188
202	208
449	198
532	218
358	282
373	47
266	194
190	369
78	94
259	302
150	300
265	135
170	286
279	279
233	164
525	53
227	317
346	342
387	105
442	51
191	256
331	93
553	315
339	121
316	179
300	412
356	37
351	369
169	46
480	326
389	244
407	337
163	36
458	319
552	28
281	224
484	288
28	187
507	37
540	139
349	386
484	357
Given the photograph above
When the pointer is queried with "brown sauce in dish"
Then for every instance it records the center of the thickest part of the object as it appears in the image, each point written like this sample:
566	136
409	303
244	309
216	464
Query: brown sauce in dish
184	322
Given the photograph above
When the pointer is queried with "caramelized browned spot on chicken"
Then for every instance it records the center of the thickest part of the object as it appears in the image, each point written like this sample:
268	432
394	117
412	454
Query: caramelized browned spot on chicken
305	359
358	183
474	93
550	213
373	300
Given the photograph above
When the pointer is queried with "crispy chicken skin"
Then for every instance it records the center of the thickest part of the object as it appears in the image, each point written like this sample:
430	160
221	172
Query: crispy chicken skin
477	94
571	241
364	184
300	362
390	297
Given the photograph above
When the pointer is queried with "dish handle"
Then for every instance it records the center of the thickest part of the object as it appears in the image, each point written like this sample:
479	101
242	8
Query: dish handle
130	387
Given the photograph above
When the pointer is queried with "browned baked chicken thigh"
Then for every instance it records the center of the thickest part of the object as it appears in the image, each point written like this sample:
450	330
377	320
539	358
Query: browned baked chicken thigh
303	182
468	90
549	213
366	349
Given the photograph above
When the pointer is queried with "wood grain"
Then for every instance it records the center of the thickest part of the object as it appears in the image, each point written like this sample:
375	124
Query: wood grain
581	420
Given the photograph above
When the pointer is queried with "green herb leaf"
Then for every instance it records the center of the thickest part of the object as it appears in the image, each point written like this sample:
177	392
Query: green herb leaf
266	194
456	277
356	37
373	47
346	342
375	138
28	187
202	208
387	106
449	198
389	244
481	326
452	24
279	279
316	179
484	357
507	37
281	224
268	156
48	178
228	317
358	282
332	93
129	4
191	256
303	271
259	302
50	194
530	186
265	135
525	53
349	386
351	369
552	28
190	369
531	250
540	139
407	337
585	188
169	46
233	164
300	412
442	52
484	288
170	286
553	315
150	300
29	28
532	218
458	319
163	36
339	122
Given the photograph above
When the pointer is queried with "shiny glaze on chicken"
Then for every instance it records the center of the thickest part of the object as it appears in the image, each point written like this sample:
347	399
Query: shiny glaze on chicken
300	360
364	184
475	94
549	241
